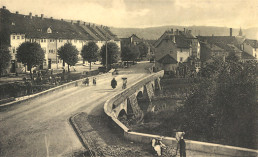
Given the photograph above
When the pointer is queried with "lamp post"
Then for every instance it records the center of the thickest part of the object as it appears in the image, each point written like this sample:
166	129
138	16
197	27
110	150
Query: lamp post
106	53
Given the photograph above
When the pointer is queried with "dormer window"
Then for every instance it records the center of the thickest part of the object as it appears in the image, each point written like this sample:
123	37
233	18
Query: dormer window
13	24
49	30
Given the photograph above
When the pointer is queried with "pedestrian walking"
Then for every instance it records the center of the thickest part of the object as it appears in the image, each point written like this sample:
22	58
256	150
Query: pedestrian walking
113	83
94	81
86	82
182	147
179	136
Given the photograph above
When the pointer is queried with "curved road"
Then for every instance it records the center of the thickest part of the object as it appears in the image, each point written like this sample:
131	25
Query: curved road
40	127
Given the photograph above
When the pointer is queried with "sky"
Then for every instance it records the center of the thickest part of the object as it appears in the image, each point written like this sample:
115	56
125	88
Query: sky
144	13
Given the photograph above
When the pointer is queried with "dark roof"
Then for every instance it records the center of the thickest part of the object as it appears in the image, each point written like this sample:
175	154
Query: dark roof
187	34
36	27
181	42
246	55
218	39
181	39
167	59
135	38
253	43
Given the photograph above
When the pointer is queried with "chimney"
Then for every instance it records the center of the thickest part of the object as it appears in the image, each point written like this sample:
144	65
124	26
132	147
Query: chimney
184	30
230	31
17	12
4	7
30	15
89	24
36	15
62	19
78	22
51	18
190	31
42	16
174	39
177	32
71	21
172	30
84	23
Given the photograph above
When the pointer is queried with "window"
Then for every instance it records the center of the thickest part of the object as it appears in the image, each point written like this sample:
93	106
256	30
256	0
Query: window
14	50
50	40
42	40
181	59
18	37
14	37
75	41
22	36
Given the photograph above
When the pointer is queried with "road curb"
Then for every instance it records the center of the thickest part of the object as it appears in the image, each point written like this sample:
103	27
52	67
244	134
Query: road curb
80	135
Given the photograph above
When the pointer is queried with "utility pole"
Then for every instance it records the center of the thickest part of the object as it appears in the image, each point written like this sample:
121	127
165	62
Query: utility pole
106	53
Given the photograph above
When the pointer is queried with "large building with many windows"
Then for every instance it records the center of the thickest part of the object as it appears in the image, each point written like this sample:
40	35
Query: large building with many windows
51	34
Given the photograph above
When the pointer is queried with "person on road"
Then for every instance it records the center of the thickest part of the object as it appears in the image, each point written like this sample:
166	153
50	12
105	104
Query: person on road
86	82
94	81
113	83
179	136
157	146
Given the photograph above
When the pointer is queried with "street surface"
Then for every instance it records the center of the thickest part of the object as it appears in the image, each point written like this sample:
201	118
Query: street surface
40	127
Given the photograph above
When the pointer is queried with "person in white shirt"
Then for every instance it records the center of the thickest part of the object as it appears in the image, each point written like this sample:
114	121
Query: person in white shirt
157	145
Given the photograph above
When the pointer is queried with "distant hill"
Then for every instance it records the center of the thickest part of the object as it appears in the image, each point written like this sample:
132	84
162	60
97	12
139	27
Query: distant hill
153	33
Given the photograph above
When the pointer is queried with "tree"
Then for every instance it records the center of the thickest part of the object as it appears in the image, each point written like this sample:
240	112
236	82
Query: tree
5	22
143	49
112	51
69	54
89	52
129	53
223	105
5	58
30	54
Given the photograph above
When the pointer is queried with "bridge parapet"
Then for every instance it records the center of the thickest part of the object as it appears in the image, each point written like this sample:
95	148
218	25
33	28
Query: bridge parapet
112	106
117	103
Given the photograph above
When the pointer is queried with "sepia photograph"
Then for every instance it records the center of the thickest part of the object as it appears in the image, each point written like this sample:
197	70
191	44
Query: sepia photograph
128	78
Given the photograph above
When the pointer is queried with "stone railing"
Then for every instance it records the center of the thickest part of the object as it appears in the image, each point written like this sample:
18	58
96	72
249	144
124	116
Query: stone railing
205	147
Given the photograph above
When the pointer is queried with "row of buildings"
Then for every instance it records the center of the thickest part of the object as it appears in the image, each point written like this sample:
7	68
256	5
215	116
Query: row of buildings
177	47
51	34
169	51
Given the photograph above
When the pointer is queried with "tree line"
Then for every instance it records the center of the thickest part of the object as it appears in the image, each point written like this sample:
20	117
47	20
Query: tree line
32	55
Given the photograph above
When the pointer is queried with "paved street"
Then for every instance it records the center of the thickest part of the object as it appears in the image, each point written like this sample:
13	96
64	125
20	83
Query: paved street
40	127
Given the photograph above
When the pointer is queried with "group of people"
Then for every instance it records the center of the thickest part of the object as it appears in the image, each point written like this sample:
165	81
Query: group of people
157	145
87	81
114	83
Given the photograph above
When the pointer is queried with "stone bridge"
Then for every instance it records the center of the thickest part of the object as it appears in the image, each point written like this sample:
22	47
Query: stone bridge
135	100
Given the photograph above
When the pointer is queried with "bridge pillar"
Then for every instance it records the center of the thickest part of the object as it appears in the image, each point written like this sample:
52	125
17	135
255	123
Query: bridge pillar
157	84
135	107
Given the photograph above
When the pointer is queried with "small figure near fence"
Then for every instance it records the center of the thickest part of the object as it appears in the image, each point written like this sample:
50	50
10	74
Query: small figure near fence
113	83
157	146
86	81
94	81
124	82
179	137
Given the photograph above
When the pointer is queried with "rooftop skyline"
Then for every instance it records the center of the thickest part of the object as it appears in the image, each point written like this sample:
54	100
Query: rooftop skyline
144	13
